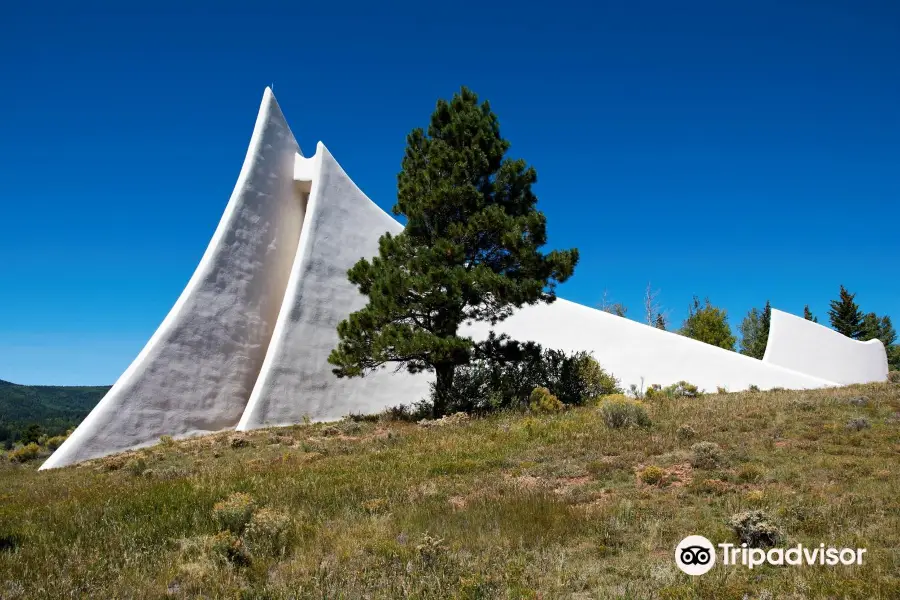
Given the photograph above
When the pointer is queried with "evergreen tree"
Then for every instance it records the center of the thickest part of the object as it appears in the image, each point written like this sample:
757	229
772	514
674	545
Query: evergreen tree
887	334
807	314
871	327
846	318
894	357
470	252
32	433
661	321
750	331
875	328
708	324
755	331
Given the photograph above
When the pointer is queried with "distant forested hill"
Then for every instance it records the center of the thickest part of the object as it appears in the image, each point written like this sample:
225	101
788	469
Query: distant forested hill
54	408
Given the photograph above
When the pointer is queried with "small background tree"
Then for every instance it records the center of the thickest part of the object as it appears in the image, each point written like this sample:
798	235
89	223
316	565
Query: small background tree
470	252
755	331
31	434
878	328
614	308
807	314
709	324
846	318
881	328
654	316
661	322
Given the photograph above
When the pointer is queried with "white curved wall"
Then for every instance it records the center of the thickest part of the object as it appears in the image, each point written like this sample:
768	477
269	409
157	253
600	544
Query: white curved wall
196	372
343	225
642	355
808	347
296	381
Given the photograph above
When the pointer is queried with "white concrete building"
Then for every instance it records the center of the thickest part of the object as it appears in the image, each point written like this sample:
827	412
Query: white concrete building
247	342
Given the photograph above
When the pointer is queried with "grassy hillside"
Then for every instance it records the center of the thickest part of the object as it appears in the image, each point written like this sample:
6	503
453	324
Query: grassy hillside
510	506
54	408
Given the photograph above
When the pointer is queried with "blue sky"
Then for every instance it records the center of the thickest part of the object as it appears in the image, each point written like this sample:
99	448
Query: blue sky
738	150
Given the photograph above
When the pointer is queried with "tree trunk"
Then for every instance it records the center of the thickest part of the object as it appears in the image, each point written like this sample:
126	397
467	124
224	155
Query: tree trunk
442	389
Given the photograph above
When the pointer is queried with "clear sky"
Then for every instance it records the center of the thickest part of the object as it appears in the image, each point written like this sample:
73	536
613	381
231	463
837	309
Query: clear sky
741	150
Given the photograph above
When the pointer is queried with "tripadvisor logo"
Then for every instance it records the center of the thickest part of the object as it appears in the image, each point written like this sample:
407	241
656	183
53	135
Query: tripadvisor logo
695	555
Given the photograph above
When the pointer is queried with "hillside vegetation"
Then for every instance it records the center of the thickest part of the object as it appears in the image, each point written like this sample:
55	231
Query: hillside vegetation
513	505
54	408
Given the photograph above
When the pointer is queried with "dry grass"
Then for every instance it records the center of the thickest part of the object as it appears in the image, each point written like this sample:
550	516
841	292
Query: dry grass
510	506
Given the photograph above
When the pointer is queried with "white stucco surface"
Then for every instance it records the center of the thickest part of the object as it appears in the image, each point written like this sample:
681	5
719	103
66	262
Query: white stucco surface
296	381
247	342
808	347
198	369
642	355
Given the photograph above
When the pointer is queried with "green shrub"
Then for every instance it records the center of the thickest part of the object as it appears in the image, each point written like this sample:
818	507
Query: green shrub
619	412
136	466
542	401
234	513
654	392
56	441
750	473
405	414
430	549
32	433
652	475
715	487
167	441
756	529
267	532
238	441
25	453
753	388
330	431
590	379
682	389
894	377
686	432
225	546
706	455
858	424
503	374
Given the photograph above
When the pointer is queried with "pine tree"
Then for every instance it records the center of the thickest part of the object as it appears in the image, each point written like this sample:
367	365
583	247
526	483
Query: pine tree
755	331
887	334
894	357
846	318
764	325
807	314
470	252
875	328
661	322
871	327
708	324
